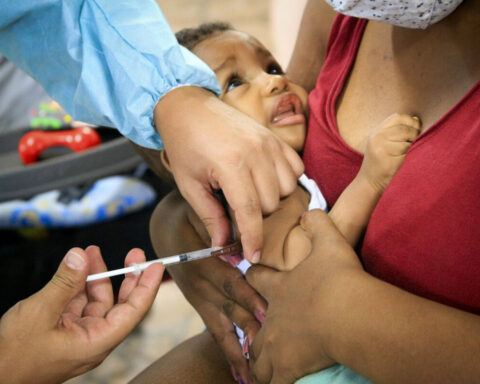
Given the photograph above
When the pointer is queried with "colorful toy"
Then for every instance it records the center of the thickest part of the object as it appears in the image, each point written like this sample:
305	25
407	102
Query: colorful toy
33	143
49	115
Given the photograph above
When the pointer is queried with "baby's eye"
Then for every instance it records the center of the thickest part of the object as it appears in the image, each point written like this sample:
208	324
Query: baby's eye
274	69
233	82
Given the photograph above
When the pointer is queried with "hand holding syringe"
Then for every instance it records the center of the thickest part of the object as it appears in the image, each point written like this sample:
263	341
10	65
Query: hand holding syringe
231	249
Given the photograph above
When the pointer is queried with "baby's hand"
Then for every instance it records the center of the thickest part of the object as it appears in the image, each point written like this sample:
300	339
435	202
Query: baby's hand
386	149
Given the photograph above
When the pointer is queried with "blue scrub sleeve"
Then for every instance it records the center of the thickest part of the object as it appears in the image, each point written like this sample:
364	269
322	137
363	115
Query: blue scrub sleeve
107	62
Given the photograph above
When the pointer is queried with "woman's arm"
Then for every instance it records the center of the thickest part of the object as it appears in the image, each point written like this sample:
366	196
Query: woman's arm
386	334
309	52
216	290
99	61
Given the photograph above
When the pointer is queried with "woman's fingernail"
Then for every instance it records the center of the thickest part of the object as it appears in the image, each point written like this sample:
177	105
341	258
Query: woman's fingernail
234	373
260	316
74	260
303	214
256	257
245	347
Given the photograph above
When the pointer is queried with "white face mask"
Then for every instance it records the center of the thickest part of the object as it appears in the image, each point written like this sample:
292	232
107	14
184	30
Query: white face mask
404	13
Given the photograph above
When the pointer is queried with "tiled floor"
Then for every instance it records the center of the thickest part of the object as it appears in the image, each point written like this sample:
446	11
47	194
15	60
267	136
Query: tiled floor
171	319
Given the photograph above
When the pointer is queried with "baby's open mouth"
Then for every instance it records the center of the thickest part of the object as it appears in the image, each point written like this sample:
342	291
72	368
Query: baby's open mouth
287	110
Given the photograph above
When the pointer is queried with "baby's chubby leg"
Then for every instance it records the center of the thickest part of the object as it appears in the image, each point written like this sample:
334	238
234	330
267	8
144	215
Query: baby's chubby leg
197	360
172	231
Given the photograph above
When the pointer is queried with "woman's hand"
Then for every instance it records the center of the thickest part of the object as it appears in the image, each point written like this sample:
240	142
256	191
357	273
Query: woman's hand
213	146
217	291
69	327
296	335
220	295
329	310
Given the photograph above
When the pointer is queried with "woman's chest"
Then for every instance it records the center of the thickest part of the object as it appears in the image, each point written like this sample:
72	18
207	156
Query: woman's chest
424	234
398	75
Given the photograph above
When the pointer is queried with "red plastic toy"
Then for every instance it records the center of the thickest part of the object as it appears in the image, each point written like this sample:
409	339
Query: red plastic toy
33	143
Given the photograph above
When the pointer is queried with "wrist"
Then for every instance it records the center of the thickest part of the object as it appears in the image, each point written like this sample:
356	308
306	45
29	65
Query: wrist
369	184
337	339
175	103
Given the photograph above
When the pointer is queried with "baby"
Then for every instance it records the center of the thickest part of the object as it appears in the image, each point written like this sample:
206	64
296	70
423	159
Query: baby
254	83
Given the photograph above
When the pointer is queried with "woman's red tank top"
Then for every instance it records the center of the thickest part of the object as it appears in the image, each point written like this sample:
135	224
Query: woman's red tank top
424	235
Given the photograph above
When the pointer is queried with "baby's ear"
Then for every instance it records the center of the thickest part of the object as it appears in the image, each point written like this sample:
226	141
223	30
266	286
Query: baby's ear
165	161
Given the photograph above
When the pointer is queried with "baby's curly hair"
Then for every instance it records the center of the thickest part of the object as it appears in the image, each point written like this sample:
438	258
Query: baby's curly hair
190	37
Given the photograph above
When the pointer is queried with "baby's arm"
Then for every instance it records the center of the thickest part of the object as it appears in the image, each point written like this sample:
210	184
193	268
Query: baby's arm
384	155
286	244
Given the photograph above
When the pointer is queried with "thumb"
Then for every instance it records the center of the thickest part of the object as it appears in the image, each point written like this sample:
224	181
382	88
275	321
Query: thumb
210	211
68	282
264	280
317	224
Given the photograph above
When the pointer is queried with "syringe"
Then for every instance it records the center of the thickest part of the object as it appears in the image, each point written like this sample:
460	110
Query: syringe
232	249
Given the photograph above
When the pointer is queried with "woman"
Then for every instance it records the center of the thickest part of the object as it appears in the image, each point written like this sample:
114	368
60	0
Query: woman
390	335
399	330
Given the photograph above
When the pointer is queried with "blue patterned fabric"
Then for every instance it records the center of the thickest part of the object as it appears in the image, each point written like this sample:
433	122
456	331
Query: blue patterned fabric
109	198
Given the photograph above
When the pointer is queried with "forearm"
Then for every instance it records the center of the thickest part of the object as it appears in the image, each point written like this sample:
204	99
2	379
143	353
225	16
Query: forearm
106	62
353	209
391	336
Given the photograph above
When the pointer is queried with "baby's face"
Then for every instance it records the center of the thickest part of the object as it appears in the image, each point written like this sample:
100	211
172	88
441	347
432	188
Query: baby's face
253	82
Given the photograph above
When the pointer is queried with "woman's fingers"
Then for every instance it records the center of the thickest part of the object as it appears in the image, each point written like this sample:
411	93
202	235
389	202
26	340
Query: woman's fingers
263	280
67	284
222	296
76	305
234	286
136	256
242	318
260	364
100	293
227	150
208	208
124	317
230	306
223	332
242	196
